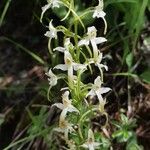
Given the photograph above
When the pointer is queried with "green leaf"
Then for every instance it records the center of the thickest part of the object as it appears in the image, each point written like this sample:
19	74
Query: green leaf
33	55
1	119
117	134
129	60
119	1
146	76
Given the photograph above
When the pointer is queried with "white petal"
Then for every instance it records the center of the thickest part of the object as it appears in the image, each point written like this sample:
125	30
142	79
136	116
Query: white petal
91	30
102	66
65	88
98	81
48	34
52	78
104	90
99	58
58	130
99	40
73	109
59	105
55	3
90	136
63	114
65	96
79	66
85	145
62	67
99	14
60	49
100	98
91	93
52	81
94	45
96	144
91	147
68	58
83	42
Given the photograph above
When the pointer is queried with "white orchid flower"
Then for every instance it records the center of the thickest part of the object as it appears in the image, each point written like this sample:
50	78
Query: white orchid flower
70	65
66	106
52	78
52	33
50	4
64	127
91	37
98	90
67	45
97	61
91	144
99	13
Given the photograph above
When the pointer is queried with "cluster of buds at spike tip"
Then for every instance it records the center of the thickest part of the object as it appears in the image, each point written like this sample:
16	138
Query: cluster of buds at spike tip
75	67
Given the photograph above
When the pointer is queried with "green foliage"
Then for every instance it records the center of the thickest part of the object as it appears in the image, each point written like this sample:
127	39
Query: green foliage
146	76
38	121
129	60
4	11
125	133
2	119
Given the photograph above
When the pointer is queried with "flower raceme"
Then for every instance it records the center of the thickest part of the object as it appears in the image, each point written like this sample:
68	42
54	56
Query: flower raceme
72	62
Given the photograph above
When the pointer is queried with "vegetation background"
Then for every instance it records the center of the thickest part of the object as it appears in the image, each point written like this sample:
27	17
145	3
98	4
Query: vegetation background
24	109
